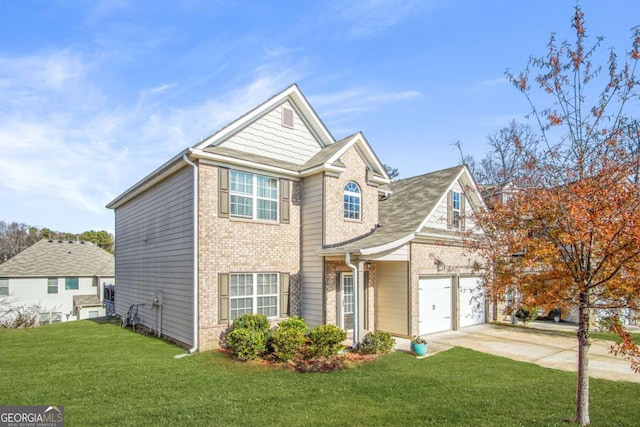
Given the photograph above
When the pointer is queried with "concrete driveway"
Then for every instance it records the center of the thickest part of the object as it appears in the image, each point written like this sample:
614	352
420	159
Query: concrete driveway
531	345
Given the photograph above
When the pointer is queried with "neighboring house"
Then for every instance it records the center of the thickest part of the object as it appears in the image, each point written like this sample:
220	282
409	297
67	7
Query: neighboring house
64	278
272	215
503	311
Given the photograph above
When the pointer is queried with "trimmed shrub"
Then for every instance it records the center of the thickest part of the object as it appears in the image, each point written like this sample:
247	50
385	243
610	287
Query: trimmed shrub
286	342
526	314
245	343
377	342
297	323
255	322
324	341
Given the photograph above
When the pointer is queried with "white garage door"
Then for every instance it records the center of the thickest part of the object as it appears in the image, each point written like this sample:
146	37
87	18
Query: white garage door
435	305
471	301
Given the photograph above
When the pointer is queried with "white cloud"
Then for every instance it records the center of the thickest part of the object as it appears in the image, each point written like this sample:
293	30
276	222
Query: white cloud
358	100
491	83
371	17
66	140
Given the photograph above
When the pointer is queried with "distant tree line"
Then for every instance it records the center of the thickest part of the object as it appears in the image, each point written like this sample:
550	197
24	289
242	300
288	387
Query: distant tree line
16	237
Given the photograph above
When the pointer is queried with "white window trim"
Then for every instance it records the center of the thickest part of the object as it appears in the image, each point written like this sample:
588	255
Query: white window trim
49	286
342	299
5	285
254	296
345	192
254	196
457	221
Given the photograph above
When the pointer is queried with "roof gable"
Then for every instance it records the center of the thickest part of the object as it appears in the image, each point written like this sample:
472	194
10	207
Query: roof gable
411	203
284	128
59	258
414	199
330	156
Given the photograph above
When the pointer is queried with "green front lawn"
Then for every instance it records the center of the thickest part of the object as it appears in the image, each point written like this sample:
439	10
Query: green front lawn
104	375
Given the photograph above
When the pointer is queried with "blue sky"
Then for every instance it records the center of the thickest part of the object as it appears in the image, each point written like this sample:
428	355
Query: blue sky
94	95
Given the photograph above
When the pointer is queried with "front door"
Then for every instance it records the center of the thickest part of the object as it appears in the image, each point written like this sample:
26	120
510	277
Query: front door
348	301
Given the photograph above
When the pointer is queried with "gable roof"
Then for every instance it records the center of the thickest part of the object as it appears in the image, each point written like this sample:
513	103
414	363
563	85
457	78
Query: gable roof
414	199
59	258
327	158
297	99
404	213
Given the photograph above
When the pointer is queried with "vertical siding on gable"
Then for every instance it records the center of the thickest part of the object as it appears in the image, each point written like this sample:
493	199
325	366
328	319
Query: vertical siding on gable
392	297
312	264
268	137
154	252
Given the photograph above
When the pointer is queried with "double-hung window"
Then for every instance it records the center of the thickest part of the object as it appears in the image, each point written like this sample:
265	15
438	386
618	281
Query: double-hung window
253	293
253	196
4	287
52	285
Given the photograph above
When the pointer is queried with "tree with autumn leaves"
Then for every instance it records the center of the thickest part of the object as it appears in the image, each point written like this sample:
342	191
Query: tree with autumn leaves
569	235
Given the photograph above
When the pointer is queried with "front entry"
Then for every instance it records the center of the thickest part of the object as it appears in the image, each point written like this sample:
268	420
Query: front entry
346	302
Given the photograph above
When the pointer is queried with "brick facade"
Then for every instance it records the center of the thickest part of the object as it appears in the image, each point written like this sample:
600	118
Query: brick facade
332	276
228	245
337	228
456	260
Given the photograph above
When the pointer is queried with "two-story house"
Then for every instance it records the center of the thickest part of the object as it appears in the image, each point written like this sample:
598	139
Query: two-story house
272	215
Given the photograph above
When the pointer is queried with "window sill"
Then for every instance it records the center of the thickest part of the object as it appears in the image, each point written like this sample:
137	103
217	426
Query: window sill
356	221
253	221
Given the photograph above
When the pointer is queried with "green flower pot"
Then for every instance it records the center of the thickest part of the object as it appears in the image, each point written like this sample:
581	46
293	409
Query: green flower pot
420	349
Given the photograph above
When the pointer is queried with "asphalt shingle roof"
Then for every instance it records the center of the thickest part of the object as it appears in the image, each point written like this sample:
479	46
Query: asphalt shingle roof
318	159
402	213
414	198
86	301
60	258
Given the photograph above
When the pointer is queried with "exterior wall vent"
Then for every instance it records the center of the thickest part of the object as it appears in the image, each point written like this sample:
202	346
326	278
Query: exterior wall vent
287	117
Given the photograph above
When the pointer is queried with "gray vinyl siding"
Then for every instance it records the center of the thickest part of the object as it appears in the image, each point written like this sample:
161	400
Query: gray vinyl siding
268	137
312	264
392	297
154	251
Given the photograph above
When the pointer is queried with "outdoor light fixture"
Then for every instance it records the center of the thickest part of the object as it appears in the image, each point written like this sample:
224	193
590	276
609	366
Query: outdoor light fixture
369	265
440	265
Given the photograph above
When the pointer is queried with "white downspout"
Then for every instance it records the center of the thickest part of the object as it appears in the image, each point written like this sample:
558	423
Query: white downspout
195	254
356	330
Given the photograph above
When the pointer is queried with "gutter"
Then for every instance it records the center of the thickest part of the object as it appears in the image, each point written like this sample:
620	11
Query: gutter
356	301
195	251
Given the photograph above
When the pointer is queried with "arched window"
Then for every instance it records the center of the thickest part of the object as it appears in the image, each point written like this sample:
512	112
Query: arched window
352	201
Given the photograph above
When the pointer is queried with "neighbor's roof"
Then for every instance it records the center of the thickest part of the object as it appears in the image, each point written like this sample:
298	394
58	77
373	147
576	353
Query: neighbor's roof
60	258
400	215
86	301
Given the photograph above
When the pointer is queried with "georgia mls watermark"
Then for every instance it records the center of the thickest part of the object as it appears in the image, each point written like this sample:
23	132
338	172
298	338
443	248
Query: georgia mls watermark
31	416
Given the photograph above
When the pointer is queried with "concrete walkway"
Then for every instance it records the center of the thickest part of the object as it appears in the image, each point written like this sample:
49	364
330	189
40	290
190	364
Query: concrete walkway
534	344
